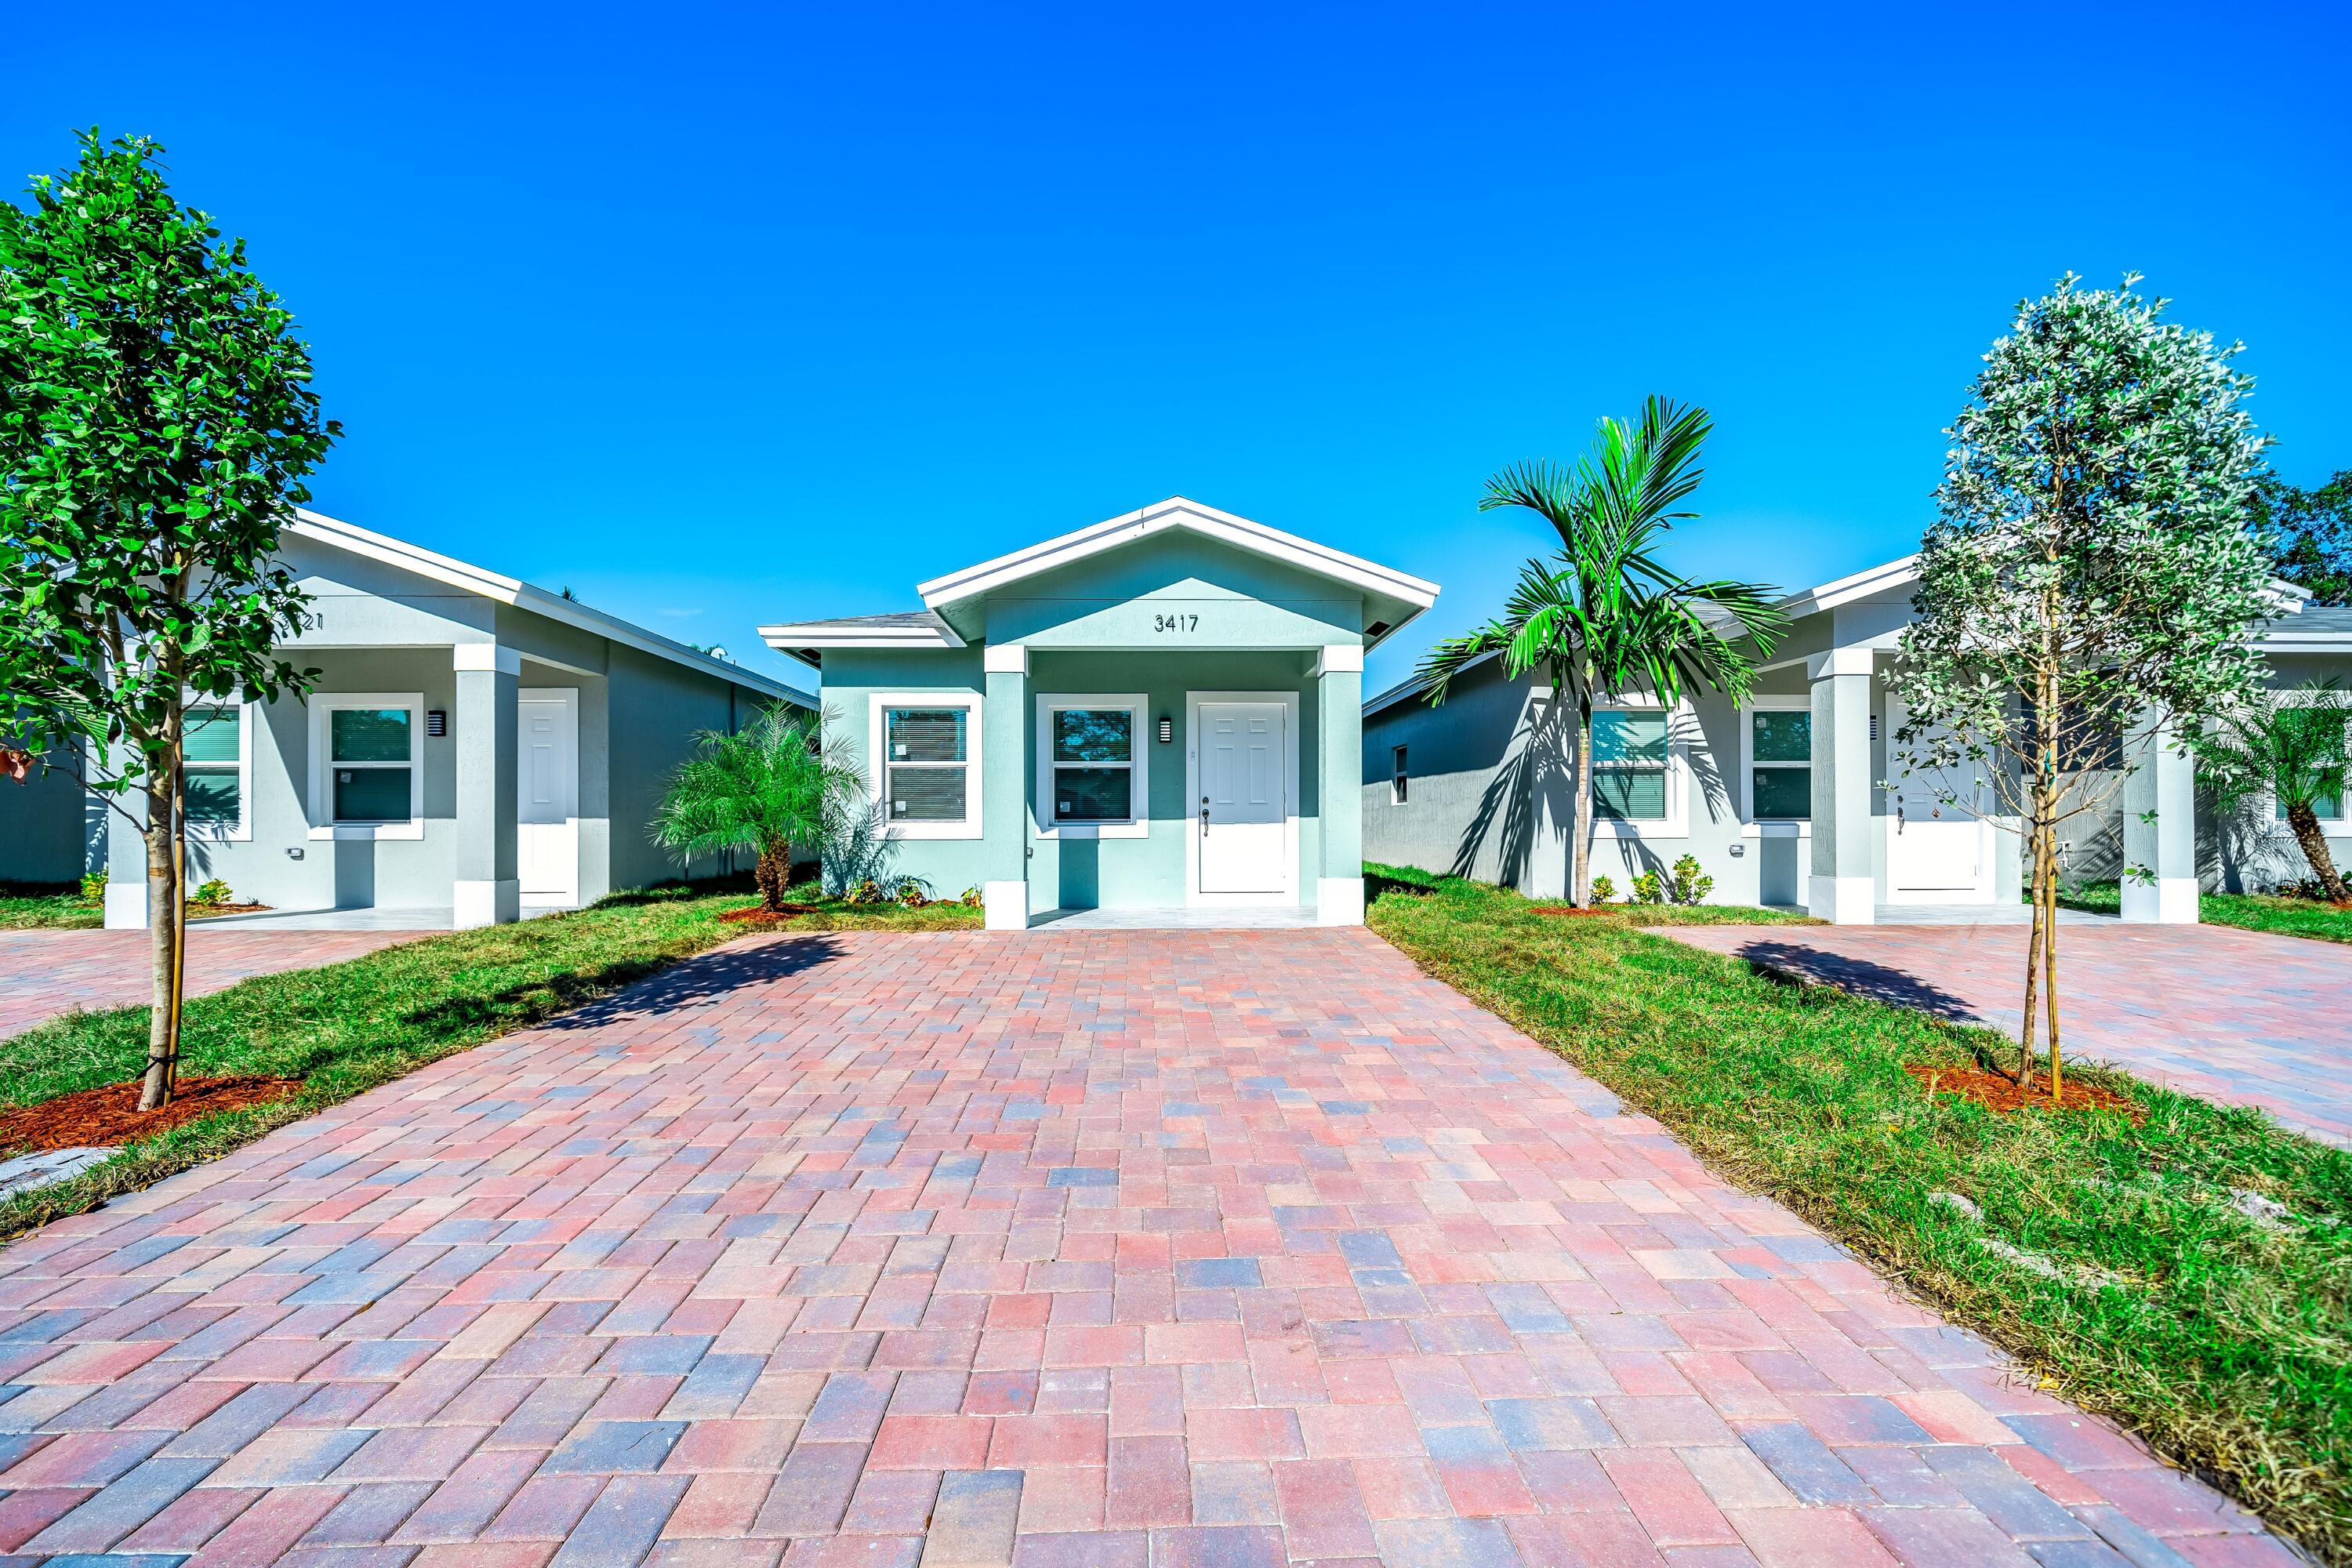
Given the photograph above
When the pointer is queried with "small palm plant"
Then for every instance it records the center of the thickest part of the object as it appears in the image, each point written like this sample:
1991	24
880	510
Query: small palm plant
767	788
2298	750
1604	618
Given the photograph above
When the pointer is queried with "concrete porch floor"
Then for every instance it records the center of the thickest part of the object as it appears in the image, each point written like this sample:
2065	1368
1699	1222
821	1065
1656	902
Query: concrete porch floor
1289	917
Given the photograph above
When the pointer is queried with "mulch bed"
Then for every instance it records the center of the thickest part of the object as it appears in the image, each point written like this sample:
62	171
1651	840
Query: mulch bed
100	1118
206	911
755	915
1996	1092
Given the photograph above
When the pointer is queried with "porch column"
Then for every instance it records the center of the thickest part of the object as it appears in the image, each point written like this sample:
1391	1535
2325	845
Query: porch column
1340	792
1842	889
1005	788
487	890
125	903
2160	828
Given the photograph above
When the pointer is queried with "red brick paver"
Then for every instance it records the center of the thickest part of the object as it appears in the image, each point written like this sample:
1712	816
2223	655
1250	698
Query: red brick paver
2233	1016
1106	1247
46	973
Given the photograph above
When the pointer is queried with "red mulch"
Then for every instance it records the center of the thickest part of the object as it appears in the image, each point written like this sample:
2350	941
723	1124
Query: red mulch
755	915
206	911
1996	1092
100	1118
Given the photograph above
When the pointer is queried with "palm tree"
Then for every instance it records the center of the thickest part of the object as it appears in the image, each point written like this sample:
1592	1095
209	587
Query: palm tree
2297	752
1604	618
766	788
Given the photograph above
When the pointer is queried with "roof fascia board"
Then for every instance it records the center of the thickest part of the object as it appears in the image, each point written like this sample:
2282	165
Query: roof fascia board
1847	590
1177	512
324	529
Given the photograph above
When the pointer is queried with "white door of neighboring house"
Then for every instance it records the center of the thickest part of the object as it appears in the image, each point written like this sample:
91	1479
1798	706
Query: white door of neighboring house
547	816
1938	851
1241	815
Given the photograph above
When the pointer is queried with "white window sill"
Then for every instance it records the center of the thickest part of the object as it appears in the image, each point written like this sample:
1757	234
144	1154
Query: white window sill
367	830
1094	830
1776	830
905	829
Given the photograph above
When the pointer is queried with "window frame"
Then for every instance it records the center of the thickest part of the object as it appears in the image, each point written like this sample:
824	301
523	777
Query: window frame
1135	826
323	705
1400	778
878	708
241	830
2338	825
1681	724
1752	825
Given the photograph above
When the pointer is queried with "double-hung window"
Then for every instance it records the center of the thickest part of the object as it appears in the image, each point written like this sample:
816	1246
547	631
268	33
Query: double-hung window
2326	808
367	766
1629	764
217	775
1091	759
929	774
1780	765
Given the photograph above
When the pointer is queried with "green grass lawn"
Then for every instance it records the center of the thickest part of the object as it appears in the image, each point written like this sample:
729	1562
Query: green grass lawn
348	1026
47	906
2248	911
2224	1337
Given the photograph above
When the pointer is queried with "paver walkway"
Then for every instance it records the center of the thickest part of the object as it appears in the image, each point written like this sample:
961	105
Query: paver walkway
46	973
1180	1249
2233	1015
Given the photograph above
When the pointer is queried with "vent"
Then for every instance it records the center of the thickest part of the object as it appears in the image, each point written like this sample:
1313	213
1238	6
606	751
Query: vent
1377	629
1873	729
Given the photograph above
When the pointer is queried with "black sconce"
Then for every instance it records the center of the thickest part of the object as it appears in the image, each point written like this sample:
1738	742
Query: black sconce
1166	729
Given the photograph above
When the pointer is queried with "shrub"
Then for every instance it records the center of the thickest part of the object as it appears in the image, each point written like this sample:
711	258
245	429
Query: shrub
1691	885
1649	889
970	898
211	895
1603	889
911	893
93	887
868	892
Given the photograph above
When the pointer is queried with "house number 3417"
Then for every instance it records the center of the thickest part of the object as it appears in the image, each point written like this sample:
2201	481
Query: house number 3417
1176	622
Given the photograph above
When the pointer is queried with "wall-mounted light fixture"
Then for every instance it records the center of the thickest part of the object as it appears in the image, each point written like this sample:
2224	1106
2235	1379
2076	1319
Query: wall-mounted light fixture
1166	729
437	723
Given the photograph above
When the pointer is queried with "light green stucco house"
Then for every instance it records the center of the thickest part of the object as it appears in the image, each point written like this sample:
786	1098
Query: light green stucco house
1162	712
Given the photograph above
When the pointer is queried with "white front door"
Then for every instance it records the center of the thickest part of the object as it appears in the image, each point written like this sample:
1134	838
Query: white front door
1938	850
1241	816
547	814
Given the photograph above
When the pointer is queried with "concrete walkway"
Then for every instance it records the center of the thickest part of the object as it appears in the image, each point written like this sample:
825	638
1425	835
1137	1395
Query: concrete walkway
2233	1016
1178	1248
46	973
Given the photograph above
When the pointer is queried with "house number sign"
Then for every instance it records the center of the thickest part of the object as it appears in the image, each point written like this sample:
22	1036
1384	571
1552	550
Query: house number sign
1179	622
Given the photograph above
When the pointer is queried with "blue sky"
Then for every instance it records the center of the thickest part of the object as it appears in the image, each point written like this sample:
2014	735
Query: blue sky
724	315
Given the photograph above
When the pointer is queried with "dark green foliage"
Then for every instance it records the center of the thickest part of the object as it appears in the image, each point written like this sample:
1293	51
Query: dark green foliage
2310	534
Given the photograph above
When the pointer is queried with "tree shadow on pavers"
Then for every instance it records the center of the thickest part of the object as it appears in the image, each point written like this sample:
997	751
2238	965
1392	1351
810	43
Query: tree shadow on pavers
1795	964
636	988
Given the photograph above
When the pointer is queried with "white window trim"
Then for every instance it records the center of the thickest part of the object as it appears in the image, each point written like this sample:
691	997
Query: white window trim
1681	724
1770	827
241	830
1139	745
974	753
322	796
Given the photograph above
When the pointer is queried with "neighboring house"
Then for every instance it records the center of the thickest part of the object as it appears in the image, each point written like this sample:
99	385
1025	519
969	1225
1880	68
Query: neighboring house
1789	798
1162	711
473	748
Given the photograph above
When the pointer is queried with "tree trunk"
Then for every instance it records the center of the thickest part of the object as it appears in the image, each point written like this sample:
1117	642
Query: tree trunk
2048	833
164	899
2040	874
2304	822
1581	890
774	874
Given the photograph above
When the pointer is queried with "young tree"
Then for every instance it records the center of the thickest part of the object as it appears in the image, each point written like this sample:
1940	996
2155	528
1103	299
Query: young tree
2295	749
156	422
1606	617
766	788
2091	574
2309	533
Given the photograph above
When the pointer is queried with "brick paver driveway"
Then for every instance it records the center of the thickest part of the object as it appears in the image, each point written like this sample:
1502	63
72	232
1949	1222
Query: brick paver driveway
46	973
2230	1015
1084	1249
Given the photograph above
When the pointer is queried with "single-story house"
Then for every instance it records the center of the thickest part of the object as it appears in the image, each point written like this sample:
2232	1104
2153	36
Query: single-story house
1160	711
1789	799
474	748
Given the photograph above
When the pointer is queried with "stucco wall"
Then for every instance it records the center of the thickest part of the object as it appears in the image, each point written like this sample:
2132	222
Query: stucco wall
50	827
657	710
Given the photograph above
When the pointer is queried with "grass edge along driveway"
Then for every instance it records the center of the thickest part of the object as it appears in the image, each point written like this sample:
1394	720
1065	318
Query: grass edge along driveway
2278	915
2190	1278
343	1028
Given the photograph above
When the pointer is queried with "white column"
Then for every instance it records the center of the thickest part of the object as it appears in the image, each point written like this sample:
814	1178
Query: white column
1339	788
2159	829
488	889
1004	788
1843	887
